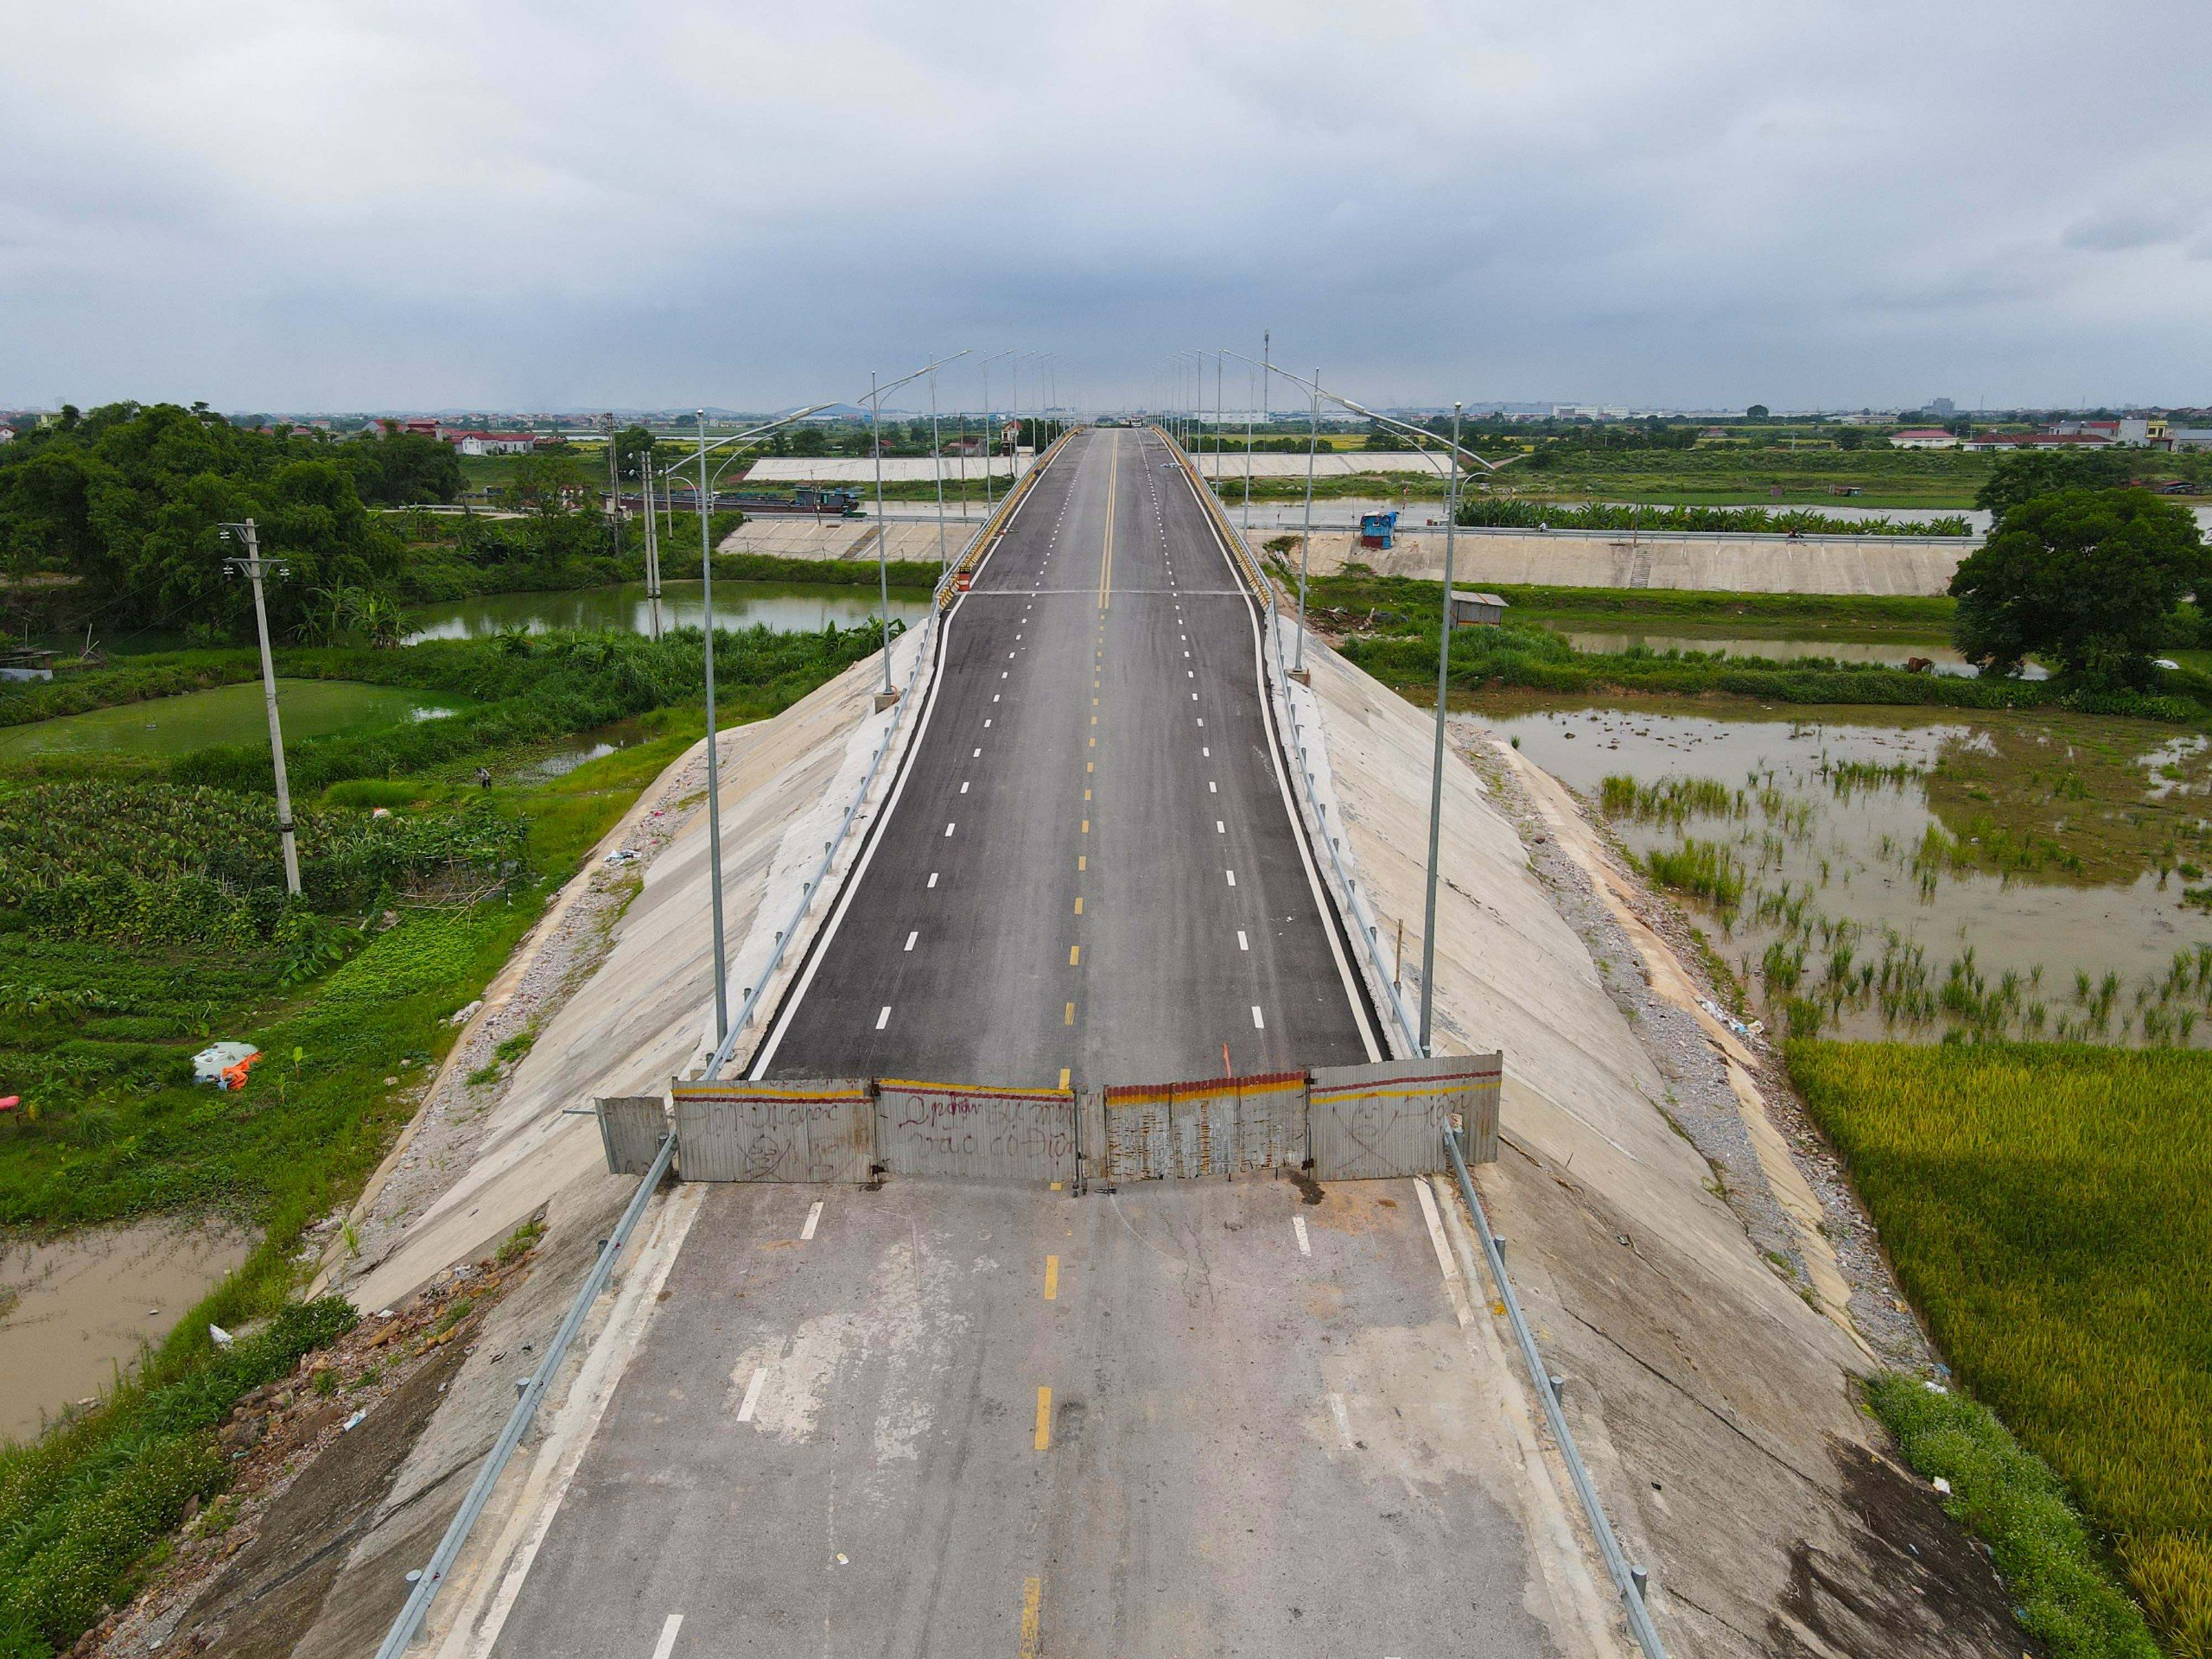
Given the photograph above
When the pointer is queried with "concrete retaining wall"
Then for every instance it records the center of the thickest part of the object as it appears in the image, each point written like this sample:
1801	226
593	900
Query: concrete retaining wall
1749	564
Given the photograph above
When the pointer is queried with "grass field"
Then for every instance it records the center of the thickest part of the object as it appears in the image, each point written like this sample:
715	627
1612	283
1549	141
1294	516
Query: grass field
2047	1210
142	914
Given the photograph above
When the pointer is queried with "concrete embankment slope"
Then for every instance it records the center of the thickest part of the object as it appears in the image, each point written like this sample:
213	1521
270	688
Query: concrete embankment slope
1714	1404
1748	564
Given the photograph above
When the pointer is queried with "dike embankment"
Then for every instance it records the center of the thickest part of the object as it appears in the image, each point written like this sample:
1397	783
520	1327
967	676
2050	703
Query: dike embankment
1698	1277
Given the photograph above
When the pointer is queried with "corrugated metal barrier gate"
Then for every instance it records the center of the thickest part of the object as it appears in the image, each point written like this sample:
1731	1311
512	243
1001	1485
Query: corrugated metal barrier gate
1346	1123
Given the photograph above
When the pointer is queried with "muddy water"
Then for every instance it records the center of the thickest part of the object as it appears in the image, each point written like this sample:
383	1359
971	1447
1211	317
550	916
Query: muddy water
75	1309
784	607
2047	846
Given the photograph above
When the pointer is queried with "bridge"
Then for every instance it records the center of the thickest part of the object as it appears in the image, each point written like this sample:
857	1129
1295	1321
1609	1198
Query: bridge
1078	1416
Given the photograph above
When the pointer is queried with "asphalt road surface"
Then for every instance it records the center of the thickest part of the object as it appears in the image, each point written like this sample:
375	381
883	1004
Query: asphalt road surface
956	1420
1089	871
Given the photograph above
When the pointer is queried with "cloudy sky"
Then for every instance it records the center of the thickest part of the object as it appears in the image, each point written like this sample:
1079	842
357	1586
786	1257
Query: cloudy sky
1693	202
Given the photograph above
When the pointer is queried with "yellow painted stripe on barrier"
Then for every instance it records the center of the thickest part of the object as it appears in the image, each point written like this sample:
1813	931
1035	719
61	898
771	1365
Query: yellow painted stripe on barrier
710	1092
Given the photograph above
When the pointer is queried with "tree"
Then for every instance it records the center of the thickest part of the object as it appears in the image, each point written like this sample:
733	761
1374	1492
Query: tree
1849	437
2085	577
2031	472
1756	412
403	469
632	445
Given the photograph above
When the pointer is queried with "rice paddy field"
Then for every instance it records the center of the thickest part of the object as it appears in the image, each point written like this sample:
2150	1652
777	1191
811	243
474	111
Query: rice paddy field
2046	1207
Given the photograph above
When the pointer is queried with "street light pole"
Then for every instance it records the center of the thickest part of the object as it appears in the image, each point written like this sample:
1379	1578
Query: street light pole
1305	538
713	745
1436	766
937	471
883	569
254	566
653	545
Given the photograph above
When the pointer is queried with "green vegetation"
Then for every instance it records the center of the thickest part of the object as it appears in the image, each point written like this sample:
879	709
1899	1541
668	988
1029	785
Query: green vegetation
143	914
1389	627
2044	1206
2086	578
2012	1501
80	1508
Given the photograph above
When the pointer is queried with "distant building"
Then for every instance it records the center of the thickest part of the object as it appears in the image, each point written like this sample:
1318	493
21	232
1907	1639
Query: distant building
491	443
1923	438
2185	437
1715	432
1943	408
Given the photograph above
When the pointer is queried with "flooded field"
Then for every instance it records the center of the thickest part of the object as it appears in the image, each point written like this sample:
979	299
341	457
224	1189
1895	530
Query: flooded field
1905	873
786	607
74	1310
1891	654
165	726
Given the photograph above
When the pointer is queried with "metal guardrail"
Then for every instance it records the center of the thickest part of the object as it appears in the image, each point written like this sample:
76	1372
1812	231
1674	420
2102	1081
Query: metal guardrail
432	1577
1630	1581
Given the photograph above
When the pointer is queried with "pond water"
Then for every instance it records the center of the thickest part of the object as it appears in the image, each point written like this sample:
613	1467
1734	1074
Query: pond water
1890	653
1905	873
786	607
74	1309
229	713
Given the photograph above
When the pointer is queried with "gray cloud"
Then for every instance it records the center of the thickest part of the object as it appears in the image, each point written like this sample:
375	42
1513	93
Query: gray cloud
505	204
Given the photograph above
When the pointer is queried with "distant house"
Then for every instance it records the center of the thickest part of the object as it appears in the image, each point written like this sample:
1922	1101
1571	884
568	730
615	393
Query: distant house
1715	432
422	428
1472	610
2186	437
492	443
1923	438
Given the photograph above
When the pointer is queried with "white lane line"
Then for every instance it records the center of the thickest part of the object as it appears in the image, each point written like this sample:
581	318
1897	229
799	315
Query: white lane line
1202	749
1212	788
1232	878
1297	1225
1258	1023
1344	1422
1194	697
948	829
813	1221
1243	944
1002	675
751	1394
963	786
911	937
932	878
883	1018
979	753
987	725
1219	828
666	1645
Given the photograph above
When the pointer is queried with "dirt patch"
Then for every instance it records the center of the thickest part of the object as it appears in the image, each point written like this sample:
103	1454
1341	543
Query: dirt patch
1941	1582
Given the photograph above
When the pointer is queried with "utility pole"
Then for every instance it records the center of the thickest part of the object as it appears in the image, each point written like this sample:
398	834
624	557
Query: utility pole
614	489
652	547
714	746
1436	770
255	567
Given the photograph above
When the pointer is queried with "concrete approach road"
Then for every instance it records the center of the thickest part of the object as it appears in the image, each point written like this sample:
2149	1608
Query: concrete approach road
939	1420
929	1420
1089	871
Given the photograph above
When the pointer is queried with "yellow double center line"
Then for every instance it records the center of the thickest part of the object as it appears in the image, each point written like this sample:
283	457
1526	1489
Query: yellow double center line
1106	555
